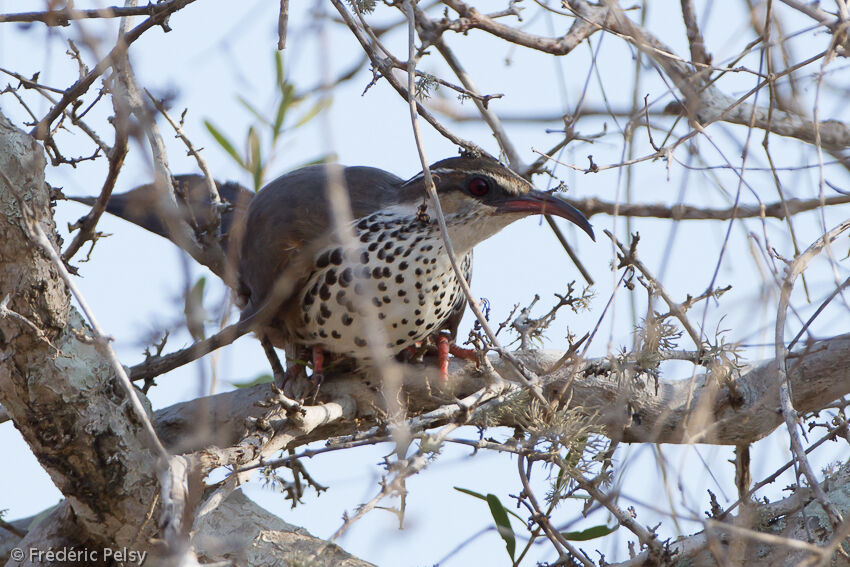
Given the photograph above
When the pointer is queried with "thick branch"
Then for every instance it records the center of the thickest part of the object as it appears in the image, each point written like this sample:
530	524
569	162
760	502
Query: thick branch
59	391
629	409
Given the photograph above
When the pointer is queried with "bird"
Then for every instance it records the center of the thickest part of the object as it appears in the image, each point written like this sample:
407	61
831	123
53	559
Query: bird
310	288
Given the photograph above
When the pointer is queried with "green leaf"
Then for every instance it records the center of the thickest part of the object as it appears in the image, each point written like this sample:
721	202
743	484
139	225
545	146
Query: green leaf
484	498
590	533
278	69
313	112
261	379
503	524
253	110
255	157
224	142
277	127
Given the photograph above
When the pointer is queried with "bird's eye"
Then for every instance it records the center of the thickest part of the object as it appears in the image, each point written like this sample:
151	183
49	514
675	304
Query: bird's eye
478	186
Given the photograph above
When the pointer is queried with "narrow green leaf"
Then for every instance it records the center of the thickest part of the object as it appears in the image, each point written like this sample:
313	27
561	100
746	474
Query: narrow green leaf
314	110
280	115
255	157
253	110
278	69
503	524
224	142
261	379
590	533
327	158
484	498
288	95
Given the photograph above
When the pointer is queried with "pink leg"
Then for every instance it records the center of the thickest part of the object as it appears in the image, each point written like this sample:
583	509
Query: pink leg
318	360
465	353
443	350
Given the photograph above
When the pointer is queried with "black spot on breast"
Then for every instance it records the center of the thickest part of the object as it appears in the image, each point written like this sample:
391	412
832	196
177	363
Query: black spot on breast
419	322
382	237
395	325
435	287
363	224
376	273
336	257
330	277
398	251
400	342
359	342
404	321
399	278
390	259
407	252
323	333
386	272
429	326
385	299
340	297
325	312
427	247
309	299
320	320
418	271
401	293
418	312
323	260
365	237
364	258
345	277
335	334
433	260
418	285
373	247
325	292
306	317
382	286
346	319
403	265
376	301
375	227
411	333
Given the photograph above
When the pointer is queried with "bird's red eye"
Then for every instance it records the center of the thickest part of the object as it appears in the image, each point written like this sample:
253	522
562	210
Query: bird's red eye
478	186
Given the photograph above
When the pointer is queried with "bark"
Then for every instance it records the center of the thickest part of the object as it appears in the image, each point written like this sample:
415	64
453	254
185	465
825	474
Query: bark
64	399
628	408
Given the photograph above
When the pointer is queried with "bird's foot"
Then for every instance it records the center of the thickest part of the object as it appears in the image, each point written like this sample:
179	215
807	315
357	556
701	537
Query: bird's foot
445	348
318	376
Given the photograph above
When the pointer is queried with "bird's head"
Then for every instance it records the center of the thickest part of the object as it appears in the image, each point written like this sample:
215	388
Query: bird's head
480	196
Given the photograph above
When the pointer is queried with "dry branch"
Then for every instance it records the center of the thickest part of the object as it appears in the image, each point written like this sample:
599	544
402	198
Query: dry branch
629	409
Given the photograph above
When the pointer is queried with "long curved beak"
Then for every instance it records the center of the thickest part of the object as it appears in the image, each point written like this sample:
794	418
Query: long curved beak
539	203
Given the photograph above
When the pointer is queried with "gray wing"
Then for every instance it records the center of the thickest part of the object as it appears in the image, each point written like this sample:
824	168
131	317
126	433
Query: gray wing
289	219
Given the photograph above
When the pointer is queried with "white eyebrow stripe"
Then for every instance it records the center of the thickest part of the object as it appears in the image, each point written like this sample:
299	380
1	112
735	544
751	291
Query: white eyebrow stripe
502	179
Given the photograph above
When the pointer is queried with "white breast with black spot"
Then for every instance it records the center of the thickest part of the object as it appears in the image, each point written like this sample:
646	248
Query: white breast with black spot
400	273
